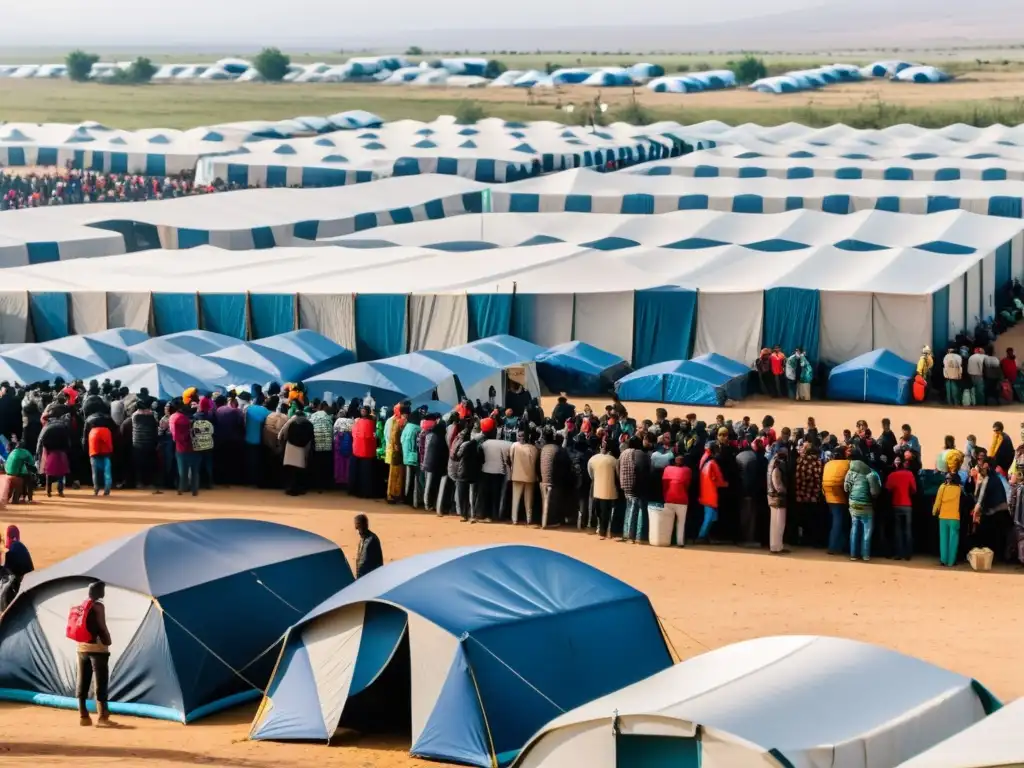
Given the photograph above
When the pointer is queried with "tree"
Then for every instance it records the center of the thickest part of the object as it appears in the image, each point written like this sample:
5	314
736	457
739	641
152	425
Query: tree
748	69
414	50
494	68
79	64
141	70
272	64
469	112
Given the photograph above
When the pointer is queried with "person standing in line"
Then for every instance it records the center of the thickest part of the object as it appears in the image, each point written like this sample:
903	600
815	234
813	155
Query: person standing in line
467	468
833	476
807	483
902	485
778	473
255	417
411	455
523	460
976	370
94	658
862	485
675	488
778	373
144	444
364	454
952	372
804	377
634	469
603	469
370	555
494	471
181	433
101	449
752	468
229	445
297	436
580	454
321	456
793	364
947	509
434	466
393	454
712	480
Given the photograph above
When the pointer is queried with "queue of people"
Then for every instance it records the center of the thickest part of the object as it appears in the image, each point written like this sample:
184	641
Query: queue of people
854	493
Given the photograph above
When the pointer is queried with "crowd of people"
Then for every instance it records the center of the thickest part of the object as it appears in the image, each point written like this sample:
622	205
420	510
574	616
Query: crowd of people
854	493
71	186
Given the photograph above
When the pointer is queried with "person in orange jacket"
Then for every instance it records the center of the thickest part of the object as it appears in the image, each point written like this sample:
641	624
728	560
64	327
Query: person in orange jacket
711	479
101	449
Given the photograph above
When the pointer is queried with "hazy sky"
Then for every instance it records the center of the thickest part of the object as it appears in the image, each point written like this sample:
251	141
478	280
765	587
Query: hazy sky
258	22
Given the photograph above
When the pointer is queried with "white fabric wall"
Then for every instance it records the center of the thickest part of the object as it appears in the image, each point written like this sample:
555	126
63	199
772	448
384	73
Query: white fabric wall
729	324
957	321
332	643
14	324
13	255
902	324
590	744
974	308
232	239
606	321
88	312
333	315
988	285
129	310
91	247
431	653
846	325
438	321
551	318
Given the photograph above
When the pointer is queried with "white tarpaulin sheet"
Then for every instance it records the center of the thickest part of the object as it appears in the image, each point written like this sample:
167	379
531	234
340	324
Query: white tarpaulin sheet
606	321
729	324
14	322
438	321
332	315
89	312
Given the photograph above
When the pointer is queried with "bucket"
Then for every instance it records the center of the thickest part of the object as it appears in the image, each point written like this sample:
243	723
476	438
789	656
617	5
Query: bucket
662	522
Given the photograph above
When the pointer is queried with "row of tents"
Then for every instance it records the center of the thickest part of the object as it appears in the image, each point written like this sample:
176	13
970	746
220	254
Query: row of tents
485	655
167	366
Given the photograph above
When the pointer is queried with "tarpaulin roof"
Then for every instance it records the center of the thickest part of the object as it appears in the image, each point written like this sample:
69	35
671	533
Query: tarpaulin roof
706	380
388	384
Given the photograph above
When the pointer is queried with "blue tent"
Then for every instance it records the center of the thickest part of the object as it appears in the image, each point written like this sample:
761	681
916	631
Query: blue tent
247	365
172	356
504	352
581	369
318	352
710	379
879	376
55	363
453	376
388	384
195	342
16	371
195	611
163	381
119	337
99	353
483	645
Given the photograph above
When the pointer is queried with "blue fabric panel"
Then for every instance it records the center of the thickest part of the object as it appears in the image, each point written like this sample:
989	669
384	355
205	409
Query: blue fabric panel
858	245
611	244
523	312
262	238
792	318
238	174
1010	207
800	172
553	654
849	173
579	203
693	203
224	313
888	204
486	171
794	203
940	320
16	156
49	314
473	202
27	663
656	752
695	243
637	203
490	314
879	376
364	221
776	245
449	166
947	174
898	174
836	204
663	325
46	156
175	312
118	162
939	203
380	325
383	627
156	165
752	173
748	204
190	238
406	166
295	713
455	731
41	253
993	174
435	209
271	313
277	176
943	246
702	171
145	674
402	215
520	202
70	702
1004	274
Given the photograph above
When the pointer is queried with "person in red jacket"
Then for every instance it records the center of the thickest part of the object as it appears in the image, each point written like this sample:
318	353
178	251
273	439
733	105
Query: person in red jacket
711	479
1009	366
902	485
101	449
675	488
364	454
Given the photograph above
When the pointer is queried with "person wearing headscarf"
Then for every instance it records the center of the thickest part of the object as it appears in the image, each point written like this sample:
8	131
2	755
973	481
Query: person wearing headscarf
947	509
17	558
393	428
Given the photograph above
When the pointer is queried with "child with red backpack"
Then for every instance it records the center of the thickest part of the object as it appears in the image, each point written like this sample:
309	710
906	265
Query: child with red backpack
87	626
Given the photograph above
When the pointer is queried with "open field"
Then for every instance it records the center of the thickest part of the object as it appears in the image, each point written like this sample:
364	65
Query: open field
981	98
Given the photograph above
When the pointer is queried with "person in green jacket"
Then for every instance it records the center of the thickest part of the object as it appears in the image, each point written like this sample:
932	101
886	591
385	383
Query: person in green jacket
863	485
410	455
21	468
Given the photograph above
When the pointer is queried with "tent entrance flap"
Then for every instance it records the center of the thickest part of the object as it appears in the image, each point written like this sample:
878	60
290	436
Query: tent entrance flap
637	751
385	705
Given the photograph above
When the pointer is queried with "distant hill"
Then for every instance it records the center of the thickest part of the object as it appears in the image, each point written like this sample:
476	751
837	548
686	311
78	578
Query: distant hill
863	24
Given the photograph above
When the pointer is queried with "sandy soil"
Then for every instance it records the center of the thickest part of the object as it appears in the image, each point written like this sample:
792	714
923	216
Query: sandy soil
706	598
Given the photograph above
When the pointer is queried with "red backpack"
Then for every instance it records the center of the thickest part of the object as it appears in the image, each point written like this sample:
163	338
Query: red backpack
77	618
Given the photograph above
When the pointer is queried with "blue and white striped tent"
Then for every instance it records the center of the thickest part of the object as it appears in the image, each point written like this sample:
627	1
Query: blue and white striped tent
483	644
590	192
991	743
885	68
921	75
387	384
676	84
251	218
188	605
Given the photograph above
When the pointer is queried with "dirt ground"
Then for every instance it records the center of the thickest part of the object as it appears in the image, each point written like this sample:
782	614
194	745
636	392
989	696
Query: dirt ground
706	597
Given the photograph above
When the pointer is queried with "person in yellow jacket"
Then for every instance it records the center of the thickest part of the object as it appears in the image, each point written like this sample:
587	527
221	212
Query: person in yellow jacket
925	363
832	478
947	509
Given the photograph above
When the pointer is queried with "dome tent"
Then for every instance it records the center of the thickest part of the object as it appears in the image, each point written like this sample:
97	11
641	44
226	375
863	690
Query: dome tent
387	384
162	380
995	742
505	352
193	608
580	369
315	350
879	376
490	643
773	701
710	379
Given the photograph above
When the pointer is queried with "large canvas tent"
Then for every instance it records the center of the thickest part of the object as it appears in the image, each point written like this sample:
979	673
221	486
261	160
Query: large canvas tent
995	742
481	644
786	702
189	606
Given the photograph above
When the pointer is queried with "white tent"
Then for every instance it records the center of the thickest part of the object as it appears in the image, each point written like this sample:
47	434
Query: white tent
788	702
995	742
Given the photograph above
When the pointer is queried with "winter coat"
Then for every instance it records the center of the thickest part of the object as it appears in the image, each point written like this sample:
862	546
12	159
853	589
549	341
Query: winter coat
752	469
523	461
410	456
435	453
863	486
807	479
832	478
711	479
467	460
777	471
364	439
297	429
55	436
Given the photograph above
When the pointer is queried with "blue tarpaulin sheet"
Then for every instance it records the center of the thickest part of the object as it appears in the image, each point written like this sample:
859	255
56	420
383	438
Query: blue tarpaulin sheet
879	376
792	318
380	325
663	324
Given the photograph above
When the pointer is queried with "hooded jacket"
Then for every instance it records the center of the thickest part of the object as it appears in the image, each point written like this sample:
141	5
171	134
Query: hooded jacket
410	433
863	486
